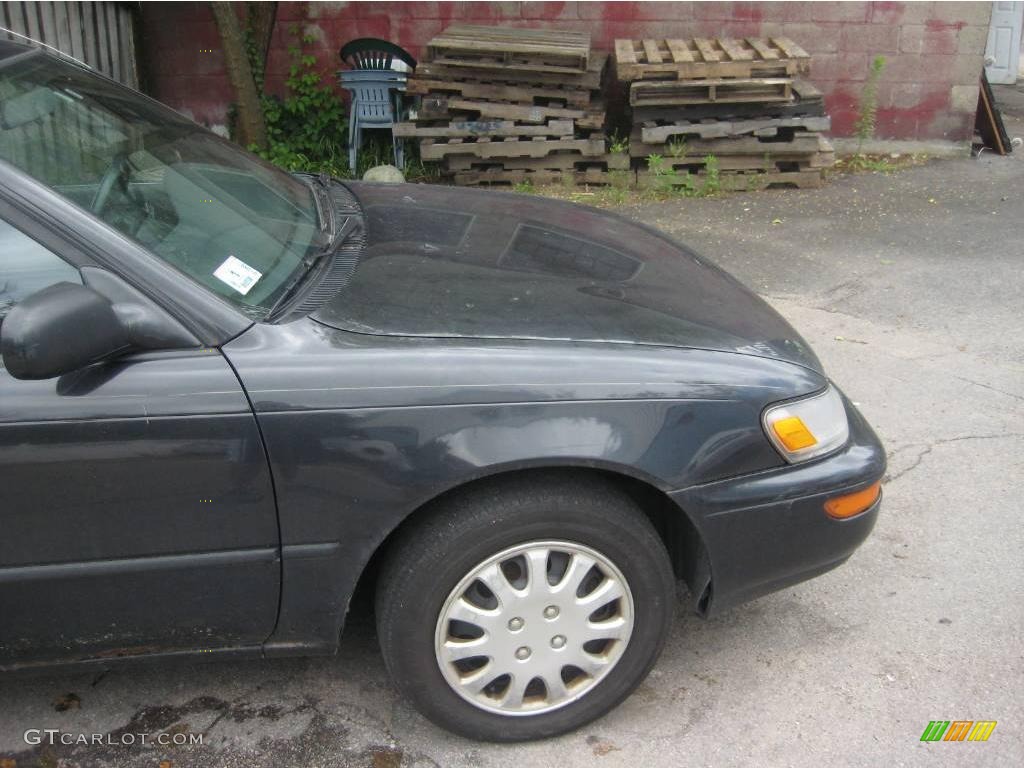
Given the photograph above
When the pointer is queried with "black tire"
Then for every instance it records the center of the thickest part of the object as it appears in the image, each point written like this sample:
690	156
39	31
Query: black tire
428	560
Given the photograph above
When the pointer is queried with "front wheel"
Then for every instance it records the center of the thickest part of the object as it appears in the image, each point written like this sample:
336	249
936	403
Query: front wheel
525	609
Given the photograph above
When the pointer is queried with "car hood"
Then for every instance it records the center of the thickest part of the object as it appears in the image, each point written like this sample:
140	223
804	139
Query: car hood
451	262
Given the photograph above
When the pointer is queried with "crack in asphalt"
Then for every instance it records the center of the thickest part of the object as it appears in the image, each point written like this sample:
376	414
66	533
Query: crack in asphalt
989	386
928	447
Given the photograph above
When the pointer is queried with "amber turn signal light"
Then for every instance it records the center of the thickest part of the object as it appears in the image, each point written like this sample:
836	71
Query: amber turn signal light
793	433
852	504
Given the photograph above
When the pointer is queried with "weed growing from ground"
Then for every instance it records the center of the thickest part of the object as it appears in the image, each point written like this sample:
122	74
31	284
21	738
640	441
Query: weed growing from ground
867	116
618	144
666	181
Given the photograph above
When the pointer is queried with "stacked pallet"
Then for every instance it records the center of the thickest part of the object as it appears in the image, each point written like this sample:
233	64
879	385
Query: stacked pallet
740	101
505	106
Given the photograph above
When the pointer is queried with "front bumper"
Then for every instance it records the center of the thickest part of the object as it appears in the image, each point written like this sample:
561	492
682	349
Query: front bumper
769	530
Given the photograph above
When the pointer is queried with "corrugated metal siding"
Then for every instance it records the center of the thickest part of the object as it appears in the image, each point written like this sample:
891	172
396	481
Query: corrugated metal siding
100	34
60	148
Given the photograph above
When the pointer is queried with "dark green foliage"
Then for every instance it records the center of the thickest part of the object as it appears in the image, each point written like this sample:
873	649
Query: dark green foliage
307	130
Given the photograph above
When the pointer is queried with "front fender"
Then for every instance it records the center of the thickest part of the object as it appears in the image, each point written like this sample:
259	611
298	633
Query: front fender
345	479
361	431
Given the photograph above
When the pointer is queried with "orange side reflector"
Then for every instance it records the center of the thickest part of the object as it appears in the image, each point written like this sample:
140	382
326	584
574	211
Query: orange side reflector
793	433
853	503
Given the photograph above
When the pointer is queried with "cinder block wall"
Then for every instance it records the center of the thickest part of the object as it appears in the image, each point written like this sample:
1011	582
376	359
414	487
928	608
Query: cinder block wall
934	50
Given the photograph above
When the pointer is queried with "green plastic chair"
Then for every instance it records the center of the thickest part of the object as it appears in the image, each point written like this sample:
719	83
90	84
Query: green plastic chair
376	91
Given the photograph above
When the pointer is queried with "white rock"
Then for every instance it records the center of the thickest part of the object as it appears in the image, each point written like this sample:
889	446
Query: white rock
384	174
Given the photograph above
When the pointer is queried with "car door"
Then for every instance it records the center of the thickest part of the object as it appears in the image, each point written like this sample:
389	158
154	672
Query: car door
137	513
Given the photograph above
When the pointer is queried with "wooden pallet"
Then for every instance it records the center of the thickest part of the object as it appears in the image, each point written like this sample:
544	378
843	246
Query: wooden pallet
653	133
800	145
442	108
716	57
562	161
522	94
591	177
555	129
744	182
732	182
586	81
807	101
654	93
743	163
738	182
530	50
436	149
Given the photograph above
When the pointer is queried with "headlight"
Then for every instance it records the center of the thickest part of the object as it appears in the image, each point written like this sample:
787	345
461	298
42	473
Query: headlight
803	429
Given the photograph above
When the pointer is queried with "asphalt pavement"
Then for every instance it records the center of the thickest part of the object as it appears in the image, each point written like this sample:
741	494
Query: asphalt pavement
911	289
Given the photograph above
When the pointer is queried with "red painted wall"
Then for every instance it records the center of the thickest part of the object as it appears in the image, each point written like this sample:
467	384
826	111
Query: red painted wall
929	90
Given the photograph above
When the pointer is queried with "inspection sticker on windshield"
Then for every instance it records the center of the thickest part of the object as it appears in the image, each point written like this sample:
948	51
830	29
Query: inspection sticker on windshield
237	274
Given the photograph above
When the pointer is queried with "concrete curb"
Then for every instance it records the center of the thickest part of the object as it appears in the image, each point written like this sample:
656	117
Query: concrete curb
892	146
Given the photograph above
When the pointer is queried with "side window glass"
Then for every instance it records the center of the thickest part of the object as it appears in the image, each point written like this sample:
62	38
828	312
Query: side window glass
26	267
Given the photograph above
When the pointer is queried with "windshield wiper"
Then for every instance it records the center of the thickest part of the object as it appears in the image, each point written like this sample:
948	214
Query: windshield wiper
310	262
320	186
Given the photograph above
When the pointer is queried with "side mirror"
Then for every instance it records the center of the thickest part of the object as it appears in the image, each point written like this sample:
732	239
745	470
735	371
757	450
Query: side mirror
60	329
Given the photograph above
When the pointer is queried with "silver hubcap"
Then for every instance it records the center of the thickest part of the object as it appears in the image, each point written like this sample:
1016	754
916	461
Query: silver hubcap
534	628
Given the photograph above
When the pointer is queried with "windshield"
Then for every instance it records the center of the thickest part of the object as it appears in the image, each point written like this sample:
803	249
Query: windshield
223	217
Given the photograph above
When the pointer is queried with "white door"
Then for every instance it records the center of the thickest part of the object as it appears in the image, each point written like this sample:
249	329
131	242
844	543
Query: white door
1002	53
